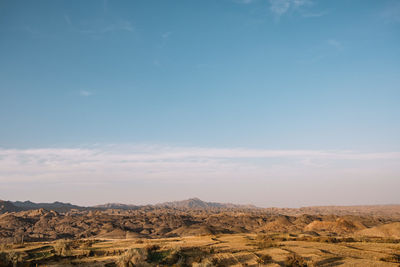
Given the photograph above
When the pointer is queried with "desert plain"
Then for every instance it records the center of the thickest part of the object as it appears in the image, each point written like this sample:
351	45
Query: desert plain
197	233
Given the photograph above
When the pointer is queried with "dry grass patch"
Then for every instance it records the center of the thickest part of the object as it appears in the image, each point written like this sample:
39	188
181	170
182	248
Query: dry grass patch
264	241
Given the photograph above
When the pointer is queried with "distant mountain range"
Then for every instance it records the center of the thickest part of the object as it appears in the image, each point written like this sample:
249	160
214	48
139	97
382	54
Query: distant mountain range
193	203
118	206
197	204
56	206
9	206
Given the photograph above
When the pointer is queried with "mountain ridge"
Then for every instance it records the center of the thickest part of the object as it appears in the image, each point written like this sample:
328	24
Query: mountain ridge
192	203
196	203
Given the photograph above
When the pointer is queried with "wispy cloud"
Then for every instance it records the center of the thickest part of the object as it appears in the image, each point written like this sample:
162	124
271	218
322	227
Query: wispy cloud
166	35
85	93
244	1
121	25
304	8
110	163
335	43
308	14
280	7
164	39
142	173
97	27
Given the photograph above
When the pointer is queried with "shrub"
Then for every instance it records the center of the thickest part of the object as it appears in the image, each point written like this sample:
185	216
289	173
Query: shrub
62	247
175	257
5	259
9	259
133	257
295	260
154	255
152	248
326	239
264	259
204	263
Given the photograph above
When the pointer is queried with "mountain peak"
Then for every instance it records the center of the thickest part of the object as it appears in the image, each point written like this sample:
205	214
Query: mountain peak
196	199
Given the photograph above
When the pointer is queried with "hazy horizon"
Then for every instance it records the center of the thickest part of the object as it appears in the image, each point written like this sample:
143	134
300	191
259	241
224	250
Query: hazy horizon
204	200
276	103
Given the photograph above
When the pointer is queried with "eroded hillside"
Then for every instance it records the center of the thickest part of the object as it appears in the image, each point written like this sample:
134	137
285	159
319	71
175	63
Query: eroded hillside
161	222
196	233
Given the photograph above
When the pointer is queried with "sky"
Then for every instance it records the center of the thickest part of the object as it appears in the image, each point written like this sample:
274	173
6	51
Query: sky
283	103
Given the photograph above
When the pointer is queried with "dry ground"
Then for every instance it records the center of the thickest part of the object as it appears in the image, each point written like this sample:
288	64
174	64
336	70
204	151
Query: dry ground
212	250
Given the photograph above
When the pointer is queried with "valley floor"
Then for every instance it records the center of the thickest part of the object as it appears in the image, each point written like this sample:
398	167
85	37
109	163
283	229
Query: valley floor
210	250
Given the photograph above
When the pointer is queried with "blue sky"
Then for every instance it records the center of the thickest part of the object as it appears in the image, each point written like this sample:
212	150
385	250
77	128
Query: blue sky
216	78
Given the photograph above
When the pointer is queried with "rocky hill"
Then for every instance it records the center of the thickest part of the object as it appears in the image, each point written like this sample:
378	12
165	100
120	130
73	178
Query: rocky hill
51	221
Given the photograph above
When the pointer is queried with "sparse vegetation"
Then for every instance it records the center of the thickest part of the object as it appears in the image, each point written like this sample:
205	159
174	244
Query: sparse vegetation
188	237
264	241
264	259
392	258
175	256
11	258
62	248
133	257
204	263
229	249
295	260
